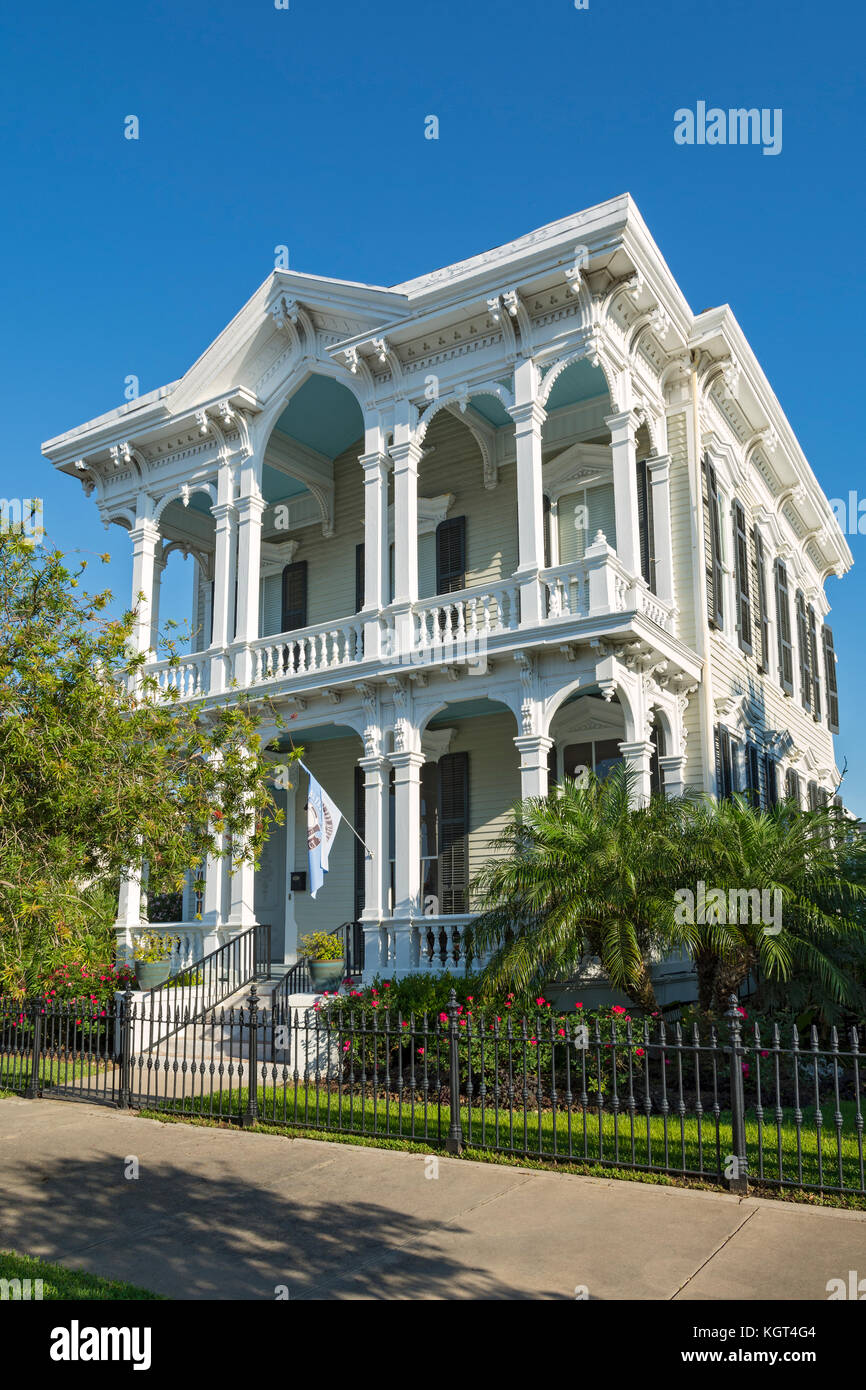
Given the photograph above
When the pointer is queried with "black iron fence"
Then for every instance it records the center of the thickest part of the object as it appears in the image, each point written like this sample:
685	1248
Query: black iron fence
727	1105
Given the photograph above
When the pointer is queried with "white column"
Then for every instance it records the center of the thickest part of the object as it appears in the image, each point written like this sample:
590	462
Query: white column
376	835
622	438
159	564
249	510
673	774
601	577
659	470
407	847
529	417
145	539
242	911
376	549
128	919
290	930
224	585
405	456
533	750
638	757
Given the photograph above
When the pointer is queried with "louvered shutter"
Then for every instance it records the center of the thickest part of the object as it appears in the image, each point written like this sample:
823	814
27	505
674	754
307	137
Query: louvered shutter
741	571
762	612
453	832
645	524
813	662
359	577
210	625
792	785
724	767
814	799
552	775
451	555
803	652
601	507
830	680
271	607
783	629
771	781
547	548
712	545
294	605
753	774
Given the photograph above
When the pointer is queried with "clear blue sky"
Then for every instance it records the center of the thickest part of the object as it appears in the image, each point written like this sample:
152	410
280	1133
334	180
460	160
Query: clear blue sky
306	127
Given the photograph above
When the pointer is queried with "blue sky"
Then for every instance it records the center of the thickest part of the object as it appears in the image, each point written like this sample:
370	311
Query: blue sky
305	127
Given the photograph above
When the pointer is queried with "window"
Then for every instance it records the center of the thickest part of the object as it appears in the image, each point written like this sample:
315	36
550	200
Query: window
552	773
783	625
657	738
581	515
830	680
598	757
645	524
804	652
762	615
741	575
294	605
451	555
814	796
792	786
712	545
360	853
547	540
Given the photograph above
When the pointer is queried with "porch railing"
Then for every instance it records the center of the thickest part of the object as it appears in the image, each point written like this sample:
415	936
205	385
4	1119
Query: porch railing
467	616
307	652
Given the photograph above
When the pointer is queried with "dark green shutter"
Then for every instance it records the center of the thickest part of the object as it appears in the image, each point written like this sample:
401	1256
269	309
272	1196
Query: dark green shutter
830	679
359	577
645	524
762	615
712	545
771	781
451	555
813	662
741	571
547	547
792	785
803	652
294	606
783	626
552	776
724	763
753	774
454	832
360	854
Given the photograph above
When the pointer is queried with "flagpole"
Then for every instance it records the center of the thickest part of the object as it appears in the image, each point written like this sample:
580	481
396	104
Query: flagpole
344	817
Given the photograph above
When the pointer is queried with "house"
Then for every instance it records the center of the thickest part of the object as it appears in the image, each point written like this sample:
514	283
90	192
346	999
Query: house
522	515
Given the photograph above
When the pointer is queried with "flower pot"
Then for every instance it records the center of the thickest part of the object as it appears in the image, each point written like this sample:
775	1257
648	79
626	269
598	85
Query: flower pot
327	974
150	974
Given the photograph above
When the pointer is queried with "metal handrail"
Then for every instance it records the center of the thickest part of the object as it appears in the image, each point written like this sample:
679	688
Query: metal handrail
298	980
222	972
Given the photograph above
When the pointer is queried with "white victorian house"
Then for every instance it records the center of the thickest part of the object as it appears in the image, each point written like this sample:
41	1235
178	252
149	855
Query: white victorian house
521	515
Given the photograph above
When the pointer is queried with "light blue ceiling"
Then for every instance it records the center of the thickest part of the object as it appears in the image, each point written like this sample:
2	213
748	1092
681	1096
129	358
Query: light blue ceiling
323	415
579	382
276	486
466	709
492	410
302	738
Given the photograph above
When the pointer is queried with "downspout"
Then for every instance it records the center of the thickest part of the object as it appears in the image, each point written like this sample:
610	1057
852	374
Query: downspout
702	626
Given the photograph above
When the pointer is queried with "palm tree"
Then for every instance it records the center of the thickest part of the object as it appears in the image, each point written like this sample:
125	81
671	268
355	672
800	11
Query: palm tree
585	872
804	864
582	872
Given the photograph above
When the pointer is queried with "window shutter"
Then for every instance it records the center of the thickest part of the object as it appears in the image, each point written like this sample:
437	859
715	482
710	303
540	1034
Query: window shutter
814	799
451	555
803	652
712	545
359	577
645	524
741	570
294	608
830	680
724	763
601	508
762	613
792	785
771	781
453	832
813	662
270	615
753	774
783	625
547	548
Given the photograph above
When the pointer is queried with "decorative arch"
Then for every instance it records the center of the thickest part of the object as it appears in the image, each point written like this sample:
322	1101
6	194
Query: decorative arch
183	493
594	352
608	686
299	373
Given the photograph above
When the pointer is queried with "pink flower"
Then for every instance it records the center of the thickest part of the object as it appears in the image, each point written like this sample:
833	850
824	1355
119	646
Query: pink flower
346	1045
745	1067
386	984
404	1025
540	1000
639	1052
765	1054
617	1009
533	1042
443	1018
462	1022
578	1006
742	1013
470	998
420	1052
560	1032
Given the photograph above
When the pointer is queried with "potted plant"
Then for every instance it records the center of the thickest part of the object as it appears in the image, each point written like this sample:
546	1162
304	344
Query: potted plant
326	962
152	955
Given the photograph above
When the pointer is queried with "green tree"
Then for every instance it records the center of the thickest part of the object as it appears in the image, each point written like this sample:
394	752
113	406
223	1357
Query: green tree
99	770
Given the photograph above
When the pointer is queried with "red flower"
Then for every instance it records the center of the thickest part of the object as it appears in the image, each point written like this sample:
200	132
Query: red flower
617	1009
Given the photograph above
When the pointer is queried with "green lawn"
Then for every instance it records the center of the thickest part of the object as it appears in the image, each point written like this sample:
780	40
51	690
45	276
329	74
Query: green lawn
15	1072
58	1282
691	1147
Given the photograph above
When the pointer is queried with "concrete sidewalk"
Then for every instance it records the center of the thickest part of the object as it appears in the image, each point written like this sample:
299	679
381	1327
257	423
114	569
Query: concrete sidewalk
222	1214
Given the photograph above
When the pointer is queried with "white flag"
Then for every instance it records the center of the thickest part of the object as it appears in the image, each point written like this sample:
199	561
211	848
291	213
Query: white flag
323	820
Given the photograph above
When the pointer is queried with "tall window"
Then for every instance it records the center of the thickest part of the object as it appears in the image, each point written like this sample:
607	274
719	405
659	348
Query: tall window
294	605
753	774
725	763
451	555
645	524
804	652
598	757
783	627
771	781
581	515
812	634
713	545
741	572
